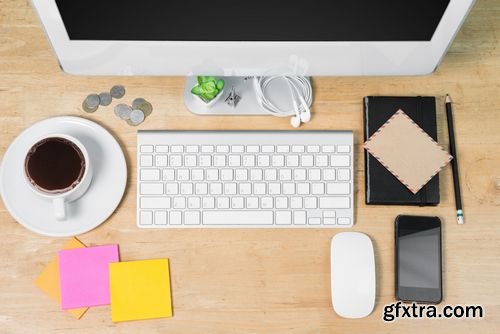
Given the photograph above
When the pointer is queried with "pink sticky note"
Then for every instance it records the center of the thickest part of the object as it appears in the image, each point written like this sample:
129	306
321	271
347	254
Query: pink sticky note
84	275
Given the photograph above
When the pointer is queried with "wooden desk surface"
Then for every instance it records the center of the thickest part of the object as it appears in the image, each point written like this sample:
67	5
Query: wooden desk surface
262	281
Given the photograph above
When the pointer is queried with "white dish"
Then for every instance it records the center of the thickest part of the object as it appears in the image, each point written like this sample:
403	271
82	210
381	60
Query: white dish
93	208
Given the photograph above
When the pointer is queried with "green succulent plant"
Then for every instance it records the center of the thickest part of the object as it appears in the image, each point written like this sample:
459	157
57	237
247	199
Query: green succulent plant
208	88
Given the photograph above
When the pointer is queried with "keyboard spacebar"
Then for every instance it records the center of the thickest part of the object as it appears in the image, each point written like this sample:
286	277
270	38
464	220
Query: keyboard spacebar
233	217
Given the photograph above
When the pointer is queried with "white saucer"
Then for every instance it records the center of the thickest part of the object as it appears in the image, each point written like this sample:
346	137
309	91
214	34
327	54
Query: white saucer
90	210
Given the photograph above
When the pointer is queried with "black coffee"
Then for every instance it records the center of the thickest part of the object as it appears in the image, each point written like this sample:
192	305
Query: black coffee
55	165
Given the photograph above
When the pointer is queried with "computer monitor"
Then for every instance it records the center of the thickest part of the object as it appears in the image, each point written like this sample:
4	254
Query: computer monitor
248	38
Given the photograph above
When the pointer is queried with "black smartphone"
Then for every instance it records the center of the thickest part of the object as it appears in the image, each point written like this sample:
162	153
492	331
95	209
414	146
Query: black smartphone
418	259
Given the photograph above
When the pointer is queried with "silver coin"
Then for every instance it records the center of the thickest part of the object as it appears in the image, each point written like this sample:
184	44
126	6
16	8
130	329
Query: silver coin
117	92
145	107
92	101
105	98
136	117
123	111
87	109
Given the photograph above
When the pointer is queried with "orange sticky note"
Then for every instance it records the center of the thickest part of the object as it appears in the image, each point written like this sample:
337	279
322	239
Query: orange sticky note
48	280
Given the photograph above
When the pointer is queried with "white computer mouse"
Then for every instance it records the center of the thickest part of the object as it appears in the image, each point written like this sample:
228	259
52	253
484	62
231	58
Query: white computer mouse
352	274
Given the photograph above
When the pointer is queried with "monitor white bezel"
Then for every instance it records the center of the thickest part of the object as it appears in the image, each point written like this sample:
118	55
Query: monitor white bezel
249	58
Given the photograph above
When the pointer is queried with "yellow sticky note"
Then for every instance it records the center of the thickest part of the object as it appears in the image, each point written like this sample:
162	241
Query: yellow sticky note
140	290
48	280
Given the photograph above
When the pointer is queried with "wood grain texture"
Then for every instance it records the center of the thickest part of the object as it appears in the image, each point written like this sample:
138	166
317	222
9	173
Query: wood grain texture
262	281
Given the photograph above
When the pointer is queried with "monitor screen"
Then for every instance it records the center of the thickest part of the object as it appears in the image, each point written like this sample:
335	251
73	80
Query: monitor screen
256	20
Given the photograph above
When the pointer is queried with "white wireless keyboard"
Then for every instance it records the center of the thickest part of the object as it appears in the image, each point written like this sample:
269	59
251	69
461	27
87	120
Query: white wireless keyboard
299	179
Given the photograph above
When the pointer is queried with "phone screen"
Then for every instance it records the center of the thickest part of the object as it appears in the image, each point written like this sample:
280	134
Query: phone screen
419	258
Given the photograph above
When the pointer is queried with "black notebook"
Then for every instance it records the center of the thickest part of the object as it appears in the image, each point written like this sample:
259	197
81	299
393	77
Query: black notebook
382	187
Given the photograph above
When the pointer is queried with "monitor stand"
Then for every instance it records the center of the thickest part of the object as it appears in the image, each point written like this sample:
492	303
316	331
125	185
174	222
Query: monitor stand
243	87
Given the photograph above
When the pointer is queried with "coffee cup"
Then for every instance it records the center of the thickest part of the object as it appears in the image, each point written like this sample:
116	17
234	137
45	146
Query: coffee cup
58	169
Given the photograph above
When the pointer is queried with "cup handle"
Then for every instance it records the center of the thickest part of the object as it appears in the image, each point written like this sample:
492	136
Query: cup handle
60	208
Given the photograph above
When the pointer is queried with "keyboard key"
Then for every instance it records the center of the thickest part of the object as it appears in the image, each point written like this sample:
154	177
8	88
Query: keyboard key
263	161
197	175
288	188
147	149
339	161
230	188
168	175
313	148
237	202
274	188
314	174
172	188
237	148
329	214
155	202
299	175
146	218
183	174
296	203
162	149
329	174
190	161
329	221
267	202
205	161
281	202
283	218
146	161
201	188
283	149
267	149
208	203
278	161
256	175
215	188
161	217
338	188
219	160
192	218
328	148
227	175
307	161
241	175
299	218
223	203
285	174
318	188
322	161
212	174
151	188
245	188
311	202
344	221
298	149
194	202
175	218
207	148
314	221
176	160
270	174
252	202
150	175
222	148
292	161
186	188
234	161
177	149
259	188
303	189
161	161
192	149
248	161
343	149
253	149
334	202
235	217
179	202
343	174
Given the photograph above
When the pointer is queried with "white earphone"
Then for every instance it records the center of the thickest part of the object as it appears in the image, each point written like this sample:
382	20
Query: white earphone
300	90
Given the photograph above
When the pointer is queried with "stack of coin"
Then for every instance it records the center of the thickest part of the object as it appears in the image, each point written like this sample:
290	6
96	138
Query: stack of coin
135	114
92	102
